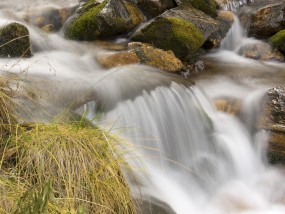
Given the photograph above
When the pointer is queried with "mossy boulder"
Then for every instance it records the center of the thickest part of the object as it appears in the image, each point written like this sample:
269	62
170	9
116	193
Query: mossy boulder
153	8
190	23
278	41
171	33
14	41
110	18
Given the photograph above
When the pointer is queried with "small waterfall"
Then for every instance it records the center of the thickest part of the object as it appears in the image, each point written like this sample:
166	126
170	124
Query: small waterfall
233	5
187	155
234	37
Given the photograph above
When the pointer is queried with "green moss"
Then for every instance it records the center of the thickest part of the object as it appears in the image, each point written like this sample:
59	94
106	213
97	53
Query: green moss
14	41
175	34
119	18
86	26
278	41
207	6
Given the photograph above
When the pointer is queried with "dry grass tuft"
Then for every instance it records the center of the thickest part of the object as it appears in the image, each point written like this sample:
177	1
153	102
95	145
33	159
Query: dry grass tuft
83	164
8	116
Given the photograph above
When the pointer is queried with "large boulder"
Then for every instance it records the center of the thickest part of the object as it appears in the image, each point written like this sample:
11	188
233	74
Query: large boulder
153	8
272	119
278	41
187	30
110	18
267	20
143	54
14	41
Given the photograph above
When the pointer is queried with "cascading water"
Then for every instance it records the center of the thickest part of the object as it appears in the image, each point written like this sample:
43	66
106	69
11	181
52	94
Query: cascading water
188	158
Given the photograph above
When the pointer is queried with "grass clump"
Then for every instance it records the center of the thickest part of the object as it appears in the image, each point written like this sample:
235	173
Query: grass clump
278	41
8	116
67	169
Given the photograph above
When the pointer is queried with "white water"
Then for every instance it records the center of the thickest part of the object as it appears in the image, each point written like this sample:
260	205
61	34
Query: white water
185	153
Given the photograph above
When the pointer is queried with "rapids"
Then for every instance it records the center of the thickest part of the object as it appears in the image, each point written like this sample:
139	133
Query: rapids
187	156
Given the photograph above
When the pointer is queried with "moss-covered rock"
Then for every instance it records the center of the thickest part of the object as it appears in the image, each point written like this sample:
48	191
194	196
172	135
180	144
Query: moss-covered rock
14	41
207	6
171	33
278	41
107	19
152	8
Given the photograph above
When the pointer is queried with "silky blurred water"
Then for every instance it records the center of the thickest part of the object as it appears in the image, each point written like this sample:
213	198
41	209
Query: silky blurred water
184	152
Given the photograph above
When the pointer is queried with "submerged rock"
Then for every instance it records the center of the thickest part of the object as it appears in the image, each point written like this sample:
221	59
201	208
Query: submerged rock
278	41
267	20
14	41
49	19
102	20
263	51
273	119
143	54
152	8
228	105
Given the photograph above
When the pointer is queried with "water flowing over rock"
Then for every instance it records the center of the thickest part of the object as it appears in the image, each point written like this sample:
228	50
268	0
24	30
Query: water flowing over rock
267	19
14	41
143	54
273	119
102	20
262	51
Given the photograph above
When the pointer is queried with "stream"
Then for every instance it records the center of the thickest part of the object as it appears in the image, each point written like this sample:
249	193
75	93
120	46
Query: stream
187	156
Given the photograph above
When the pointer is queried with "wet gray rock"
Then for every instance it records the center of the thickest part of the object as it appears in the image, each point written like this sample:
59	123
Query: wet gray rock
272	119
268	19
